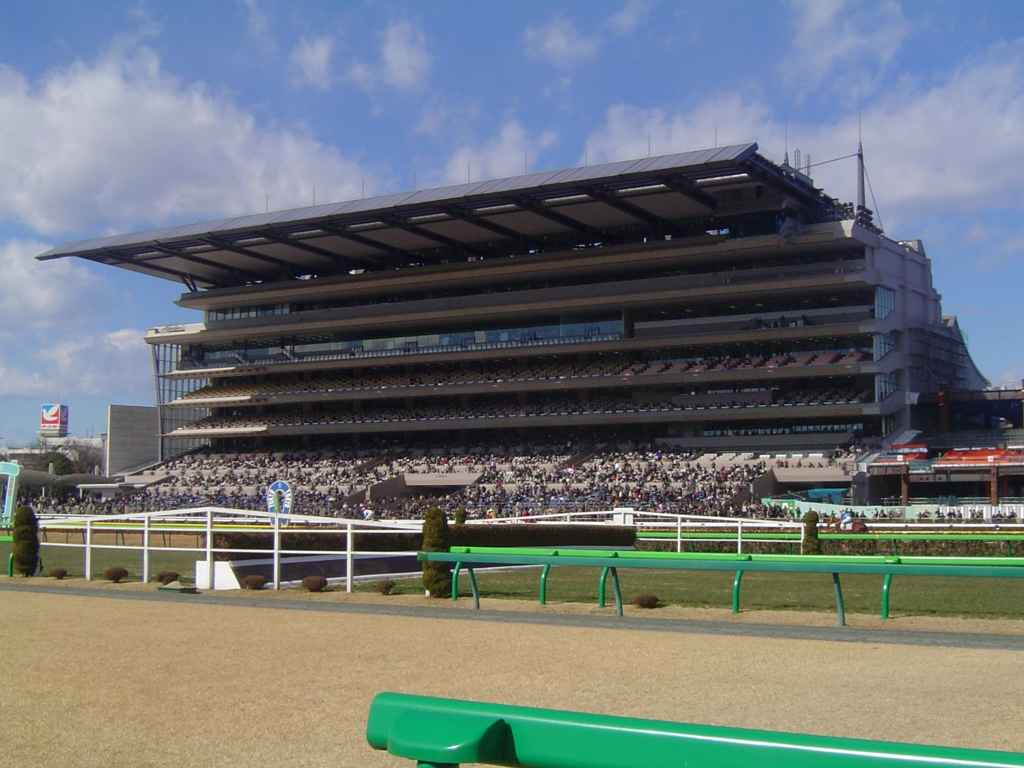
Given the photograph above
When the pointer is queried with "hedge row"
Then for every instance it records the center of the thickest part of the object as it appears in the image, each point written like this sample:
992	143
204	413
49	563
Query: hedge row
598	536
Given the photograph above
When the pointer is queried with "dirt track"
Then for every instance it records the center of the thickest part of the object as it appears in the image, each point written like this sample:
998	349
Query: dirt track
89	681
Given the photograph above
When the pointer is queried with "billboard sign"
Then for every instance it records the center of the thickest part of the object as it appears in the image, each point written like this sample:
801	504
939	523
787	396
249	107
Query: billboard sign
53	421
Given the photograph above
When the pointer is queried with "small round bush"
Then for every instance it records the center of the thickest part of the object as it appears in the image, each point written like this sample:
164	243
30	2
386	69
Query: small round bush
385	587
314	583
646	601
254	581
115	574
167	577
460	516
59	573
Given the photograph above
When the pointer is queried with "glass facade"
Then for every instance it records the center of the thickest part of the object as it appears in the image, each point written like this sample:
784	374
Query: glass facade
167	358
602	330
885	303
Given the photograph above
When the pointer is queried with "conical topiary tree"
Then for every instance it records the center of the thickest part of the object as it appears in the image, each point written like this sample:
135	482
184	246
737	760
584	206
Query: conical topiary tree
25	536
812	544
437	577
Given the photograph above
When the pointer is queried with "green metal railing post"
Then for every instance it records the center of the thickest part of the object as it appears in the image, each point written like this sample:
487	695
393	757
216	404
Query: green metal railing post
544	584
839	599
885	595
618	592
455	581
600	587
472	586
736	592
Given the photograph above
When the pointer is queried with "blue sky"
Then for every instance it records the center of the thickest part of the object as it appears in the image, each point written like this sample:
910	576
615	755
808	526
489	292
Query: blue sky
123	116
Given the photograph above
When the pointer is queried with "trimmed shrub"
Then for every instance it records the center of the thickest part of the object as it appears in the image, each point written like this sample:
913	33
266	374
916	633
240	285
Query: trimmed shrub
385	587
812	544
167	577
25	536
314	583
254	581
59	573
460	516
115	574
437	577
646	601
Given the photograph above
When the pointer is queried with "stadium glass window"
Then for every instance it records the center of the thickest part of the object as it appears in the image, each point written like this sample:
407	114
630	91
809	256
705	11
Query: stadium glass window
885	343
885	303
885	385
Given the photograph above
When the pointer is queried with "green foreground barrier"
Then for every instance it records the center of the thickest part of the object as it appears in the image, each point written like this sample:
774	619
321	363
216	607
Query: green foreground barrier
610	561
444	733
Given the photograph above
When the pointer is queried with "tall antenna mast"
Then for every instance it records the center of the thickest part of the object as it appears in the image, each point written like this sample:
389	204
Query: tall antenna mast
785	133
861	203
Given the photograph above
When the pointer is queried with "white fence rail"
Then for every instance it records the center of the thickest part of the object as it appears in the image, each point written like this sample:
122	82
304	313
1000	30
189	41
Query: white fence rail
209	521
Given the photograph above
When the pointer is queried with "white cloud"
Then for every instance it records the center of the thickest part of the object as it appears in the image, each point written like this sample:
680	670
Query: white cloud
954	146
100	363
626	129
561	44
38	295
15	382
503	155
405	57
119	144
404	61
257	21
844	44
311	60
633	14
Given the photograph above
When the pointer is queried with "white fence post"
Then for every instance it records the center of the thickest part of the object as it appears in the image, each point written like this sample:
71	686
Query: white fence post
145	549
679	534
88	550
739	537
277	551
209	547
348	557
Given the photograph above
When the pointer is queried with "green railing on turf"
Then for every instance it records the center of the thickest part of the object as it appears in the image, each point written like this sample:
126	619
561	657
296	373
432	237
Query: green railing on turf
446	733
610	561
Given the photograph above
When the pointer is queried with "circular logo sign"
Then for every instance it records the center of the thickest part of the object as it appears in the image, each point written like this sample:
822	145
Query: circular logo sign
279	500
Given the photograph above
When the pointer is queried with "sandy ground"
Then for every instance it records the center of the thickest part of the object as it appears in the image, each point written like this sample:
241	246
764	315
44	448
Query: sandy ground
89	681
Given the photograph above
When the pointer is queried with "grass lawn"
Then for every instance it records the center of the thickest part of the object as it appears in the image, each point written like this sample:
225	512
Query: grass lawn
910	595
72	559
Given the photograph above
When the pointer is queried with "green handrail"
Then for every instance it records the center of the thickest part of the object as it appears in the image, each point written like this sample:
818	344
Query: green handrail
609	561
445	733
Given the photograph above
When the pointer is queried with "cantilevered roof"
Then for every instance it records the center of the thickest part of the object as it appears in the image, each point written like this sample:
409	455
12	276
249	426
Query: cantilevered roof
522	214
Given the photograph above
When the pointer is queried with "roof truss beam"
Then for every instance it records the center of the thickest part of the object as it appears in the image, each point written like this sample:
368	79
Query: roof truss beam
479	221
285	267
292	242
688	189
242	274
393	253
559	218
426	234
612	200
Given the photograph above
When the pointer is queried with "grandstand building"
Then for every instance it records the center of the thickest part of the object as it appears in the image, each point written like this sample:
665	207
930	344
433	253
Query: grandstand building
710	299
